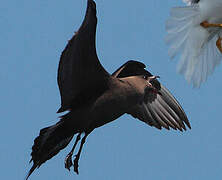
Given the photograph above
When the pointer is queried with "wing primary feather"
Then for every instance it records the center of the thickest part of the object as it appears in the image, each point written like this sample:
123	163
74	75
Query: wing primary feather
156	117
149	115
162	116
172	102
172	113
167	112
165	115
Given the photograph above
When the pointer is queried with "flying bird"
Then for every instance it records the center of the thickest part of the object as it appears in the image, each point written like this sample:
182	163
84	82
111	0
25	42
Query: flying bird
93	97
195	32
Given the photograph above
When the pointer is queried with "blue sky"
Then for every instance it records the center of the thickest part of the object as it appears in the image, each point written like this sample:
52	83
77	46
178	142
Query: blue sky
33	35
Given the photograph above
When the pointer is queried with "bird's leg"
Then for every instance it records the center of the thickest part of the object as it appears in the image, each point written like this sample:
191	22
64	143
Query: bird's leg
68	159
76	165
218	43
206	24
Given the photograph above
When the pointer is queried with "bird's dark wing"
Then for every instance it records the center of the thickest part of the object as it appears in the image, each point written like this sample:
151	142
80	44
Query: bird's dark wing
161	109
79	66
130	68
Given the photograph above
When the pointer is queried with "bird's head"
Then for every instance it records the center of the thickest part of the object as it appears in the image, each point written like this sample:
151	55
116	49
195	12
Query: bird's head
152	88
151	80
140	76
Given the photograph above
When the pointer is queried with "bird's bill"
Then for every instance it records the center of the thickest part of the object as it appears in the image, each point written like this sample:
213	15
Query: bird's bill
150	79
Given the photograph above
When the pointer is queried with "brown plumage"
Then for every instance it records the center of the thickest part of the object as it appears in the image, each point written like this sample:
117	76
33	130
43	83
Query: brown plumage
93	97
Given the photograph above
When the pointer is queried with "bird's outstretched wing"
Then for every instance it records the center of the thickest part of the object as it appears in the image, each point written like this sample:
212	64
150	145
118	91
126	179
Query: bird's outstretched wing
130	68
79	66
162	110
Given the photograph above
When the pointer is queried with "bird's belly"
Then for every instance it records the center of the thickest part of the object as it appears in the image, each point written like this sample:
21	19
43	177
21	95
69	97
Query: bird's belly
111	109
107	117
211	10
216	20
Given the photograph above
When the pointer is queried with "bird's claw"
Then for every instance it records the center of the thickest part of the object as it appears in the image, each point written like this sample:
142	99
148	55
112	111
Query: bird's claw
218	43
68	161
206	24
76	164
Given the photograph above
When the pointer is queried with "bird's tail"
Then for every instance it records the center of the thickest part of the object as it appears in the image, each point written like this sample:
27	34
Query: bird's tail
197	45
50	141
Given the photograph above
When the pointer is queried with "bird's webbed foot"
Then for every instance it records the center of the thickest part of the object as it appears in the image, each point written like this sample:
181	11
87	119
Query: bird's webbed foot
76	160
68	161
76	164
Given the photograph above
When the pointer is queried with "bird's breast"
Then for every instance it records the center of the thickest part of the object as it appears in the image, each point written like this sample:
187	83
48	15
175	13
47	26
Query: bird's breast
211	10
112	104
